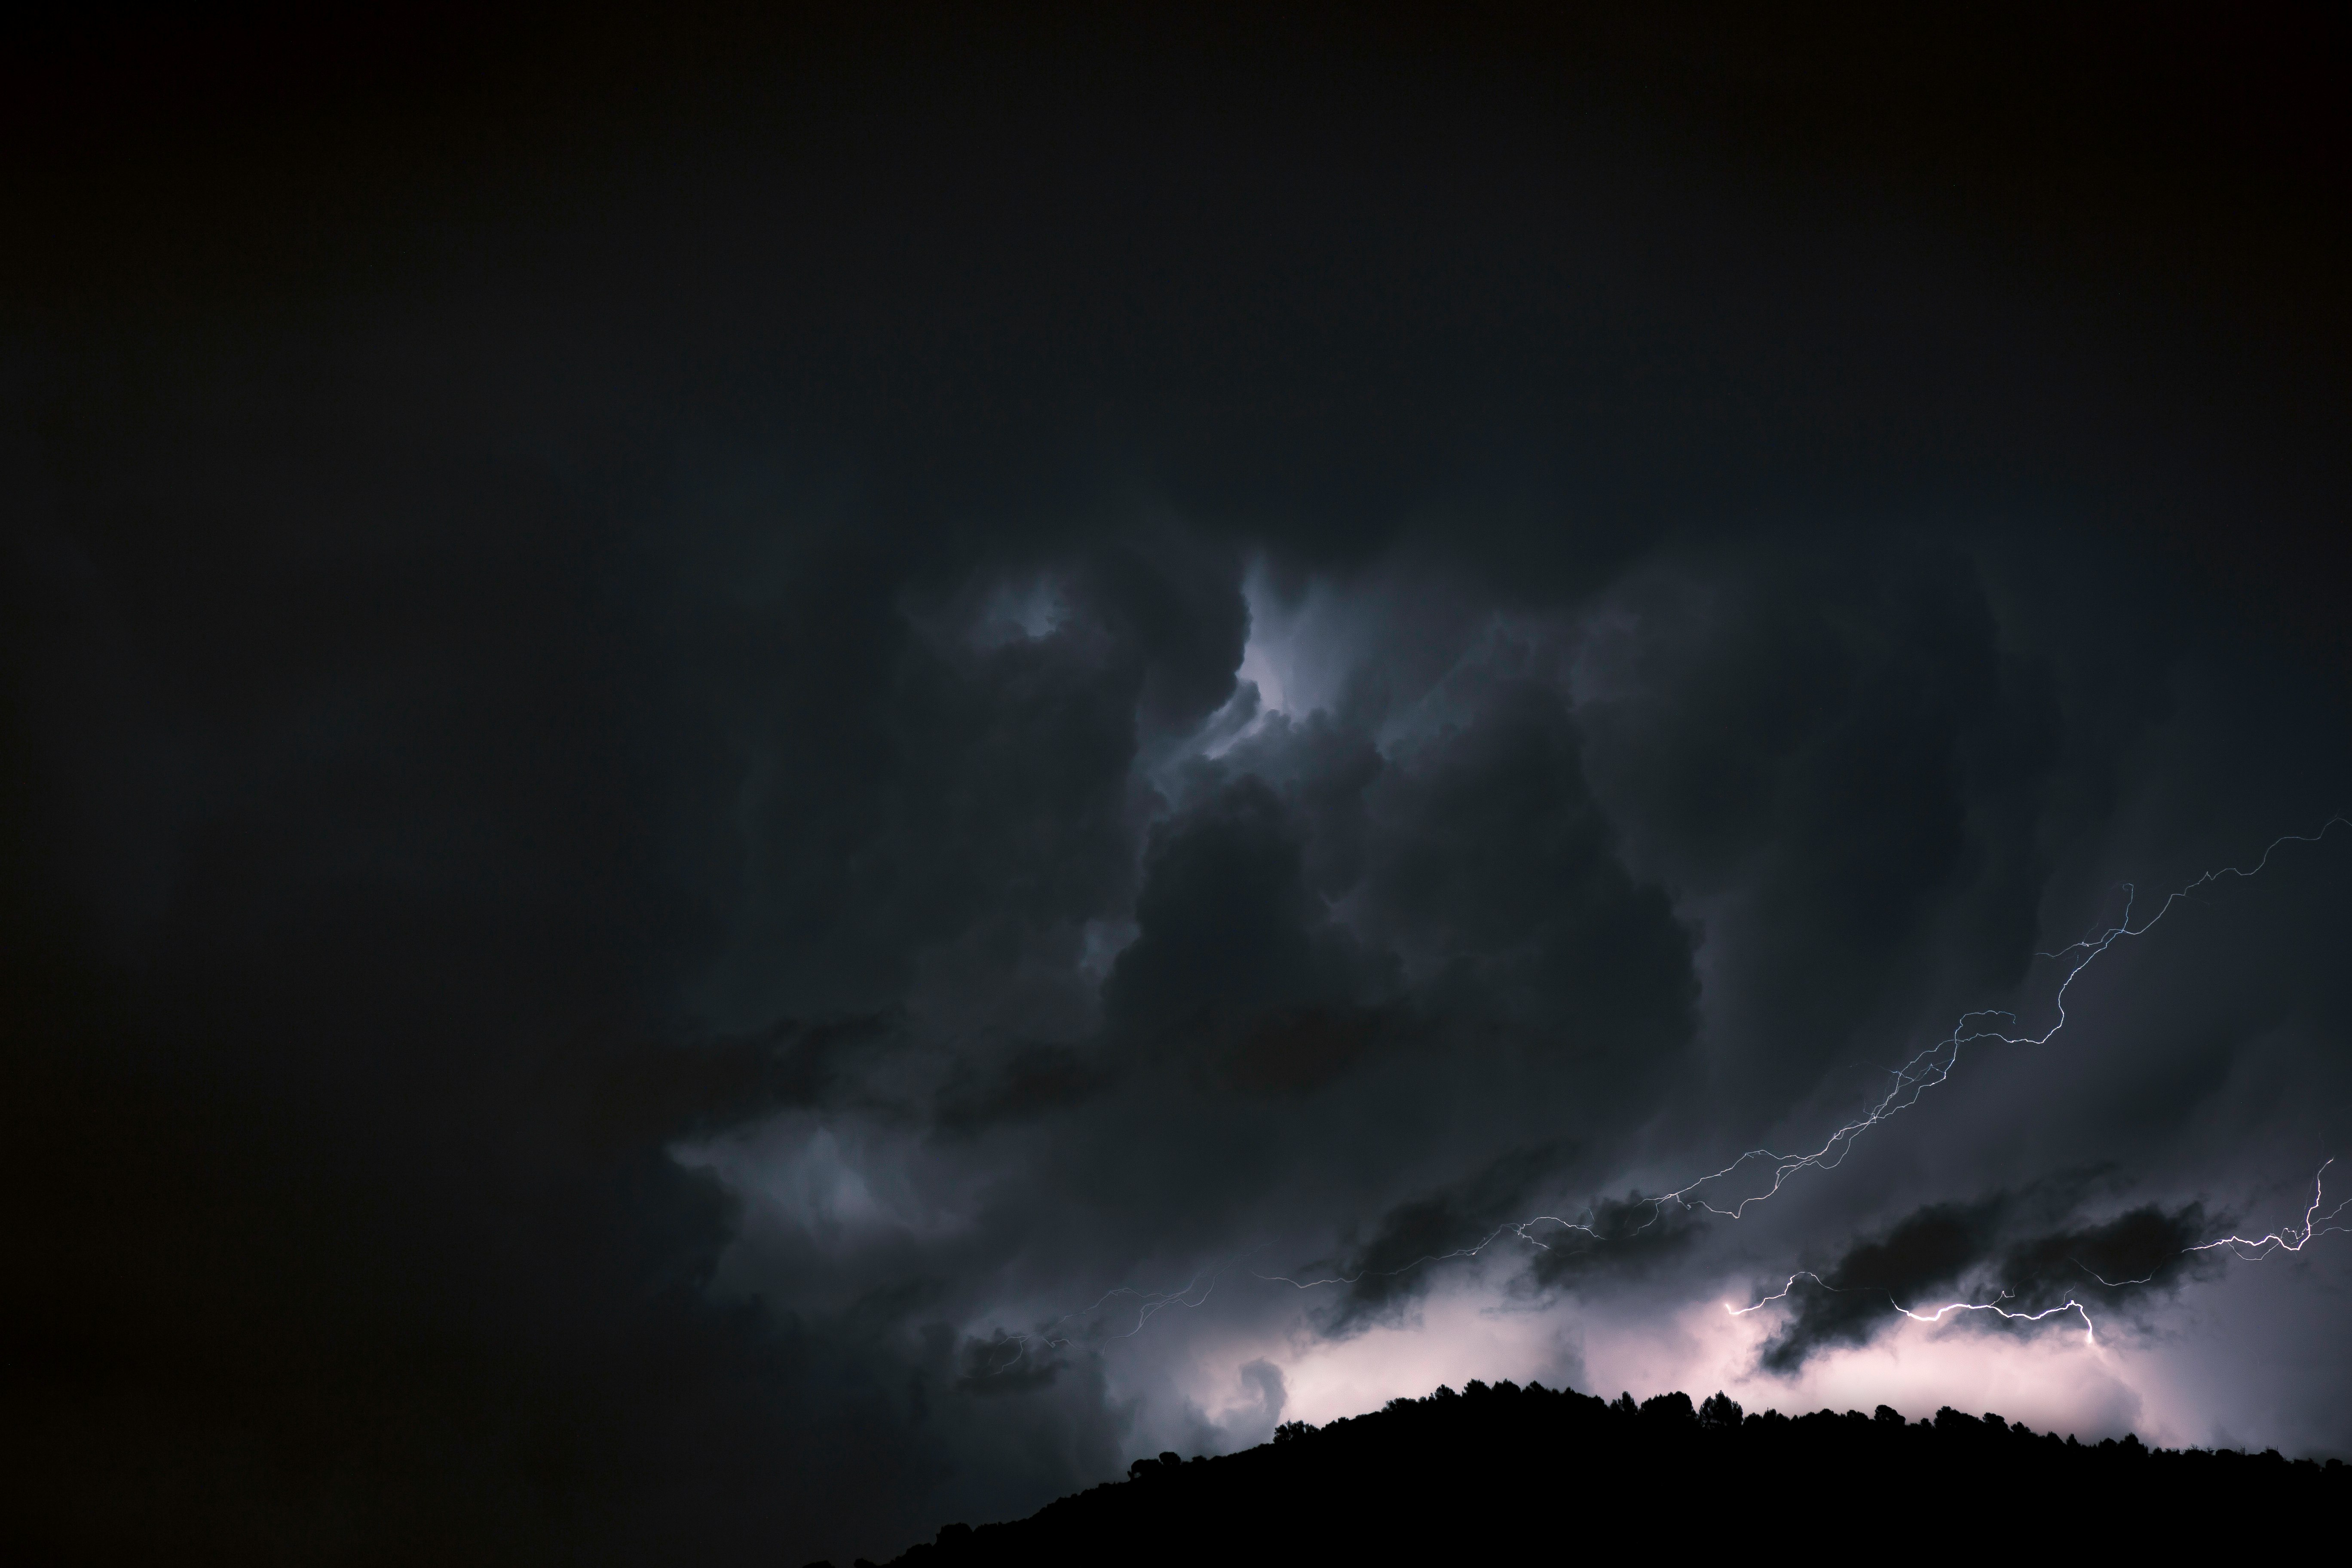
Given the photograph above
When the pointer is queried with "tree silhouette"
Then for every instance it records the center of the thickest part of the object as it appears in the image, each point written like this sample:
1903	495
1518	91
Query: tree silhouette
1403	1483
1721	1411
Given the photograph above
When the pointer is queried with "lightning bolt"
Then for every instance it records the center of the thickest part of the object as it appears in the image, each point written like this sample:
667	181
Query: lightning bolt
1936	1316
1937	1064
2288	1237
2114	1284
1928	1068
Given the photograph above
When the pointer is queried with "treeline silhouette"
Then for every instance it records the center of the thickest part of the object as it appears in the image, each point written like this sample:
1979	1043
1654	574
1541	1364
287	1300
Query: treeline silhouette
1501	1472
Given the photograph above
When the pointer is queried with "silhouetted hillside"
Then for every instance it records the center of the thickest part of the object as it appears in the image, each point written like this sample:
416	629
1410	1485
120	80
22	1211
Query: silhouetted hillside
1487	1474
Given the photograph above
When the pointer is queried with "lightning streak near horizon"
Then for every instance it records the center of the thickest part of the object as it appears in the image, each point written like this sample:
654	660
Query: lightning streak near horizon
2069	1305
1929	1067
2288	1237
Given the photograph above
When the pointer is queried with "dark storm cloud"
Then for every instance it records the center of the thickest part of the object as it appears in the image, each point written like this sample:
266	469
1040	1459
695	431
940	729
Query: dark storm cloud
1923	1252
1627	1235
1227	921
1494	872
1030	1080
1993	1250
2145	1248
954	782
1386	1272
637	838
1852	746
1377	934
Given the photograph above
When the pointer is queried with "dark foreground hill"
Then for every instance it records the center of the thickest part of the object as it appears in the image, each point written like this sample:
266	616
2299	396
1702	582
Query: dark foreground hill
1509	1474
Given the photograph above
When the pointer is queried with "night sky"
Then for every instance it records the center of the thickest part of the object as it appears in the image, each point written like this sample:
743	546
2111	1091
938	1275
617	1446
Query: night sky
769	782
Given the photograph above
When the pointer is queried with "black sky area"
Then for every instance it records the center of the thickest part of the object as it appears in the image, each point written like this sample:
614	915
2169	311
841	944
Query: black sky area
708	711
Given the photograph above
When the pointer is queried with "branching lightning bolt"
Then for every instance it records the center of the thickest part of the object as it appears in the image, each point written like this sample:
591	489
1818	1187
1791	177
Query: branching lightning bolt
1936	1316
1935	1063
2288	1237
1929	1067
